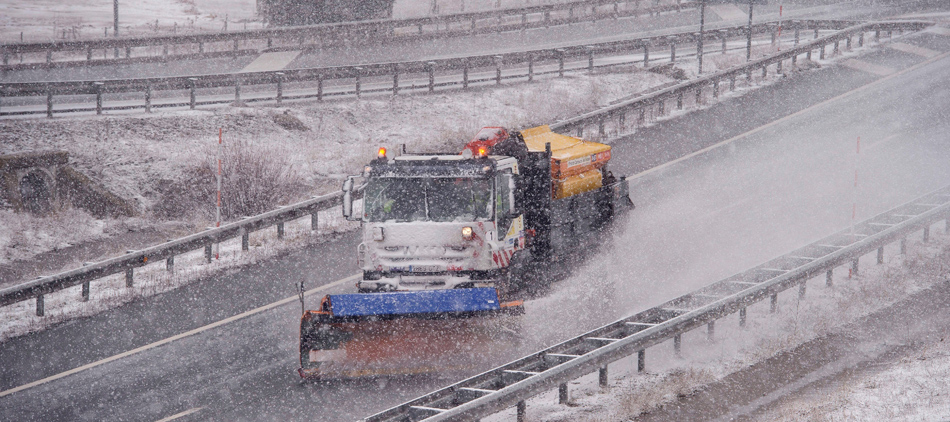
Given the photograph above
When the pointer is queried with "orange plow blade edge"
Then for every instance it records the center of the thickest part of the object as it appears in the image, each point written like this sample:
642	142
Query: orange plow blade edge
397	333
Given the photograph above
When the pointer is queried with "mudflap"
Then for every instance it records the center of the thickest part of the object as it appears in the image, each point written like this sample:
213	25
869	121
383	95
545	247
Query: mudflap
333	347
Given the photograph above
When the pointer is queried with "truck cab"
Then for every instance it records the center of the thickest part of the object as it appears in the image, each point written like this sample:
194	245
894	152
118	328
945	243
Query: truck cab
437	221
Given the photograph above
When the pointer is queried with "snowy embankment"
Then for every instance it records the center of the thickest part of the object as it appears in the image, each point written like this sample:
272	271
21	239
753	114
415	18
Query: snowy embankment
910	390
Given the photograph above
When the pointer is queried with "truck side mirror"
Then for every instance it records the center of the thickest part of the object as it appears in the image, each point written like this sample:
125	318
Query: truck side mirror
348	198
514	207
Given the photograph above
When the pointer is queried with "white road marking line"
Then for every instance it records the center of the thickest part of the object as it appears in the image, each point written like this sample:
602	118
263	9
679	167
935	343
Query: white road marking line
177	337
939	30
180	415
729	12
786	118
868	67
913	49
276	60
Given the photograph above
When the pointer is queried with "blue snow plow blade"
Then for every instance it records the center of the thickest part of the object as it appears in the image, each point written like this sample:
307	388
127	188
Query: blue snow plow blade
421	302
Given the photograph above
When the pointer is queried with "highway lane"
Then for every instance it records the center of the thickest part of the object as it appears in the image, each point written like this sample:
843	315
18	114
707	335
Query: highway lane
405	50
698	220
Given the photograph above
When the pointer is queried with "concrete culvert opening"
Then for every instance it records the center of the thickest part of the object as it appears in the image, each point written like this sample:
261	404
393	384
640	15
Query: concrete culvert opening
36	194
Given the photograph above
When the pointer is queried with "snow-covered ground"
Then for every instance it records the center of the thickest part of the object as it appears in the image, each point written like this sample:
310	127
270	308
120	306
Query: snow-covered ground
914	389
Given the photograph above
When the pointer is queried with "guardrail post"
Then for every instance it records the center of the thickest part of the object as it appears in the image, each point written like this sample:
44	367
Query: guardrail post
801	290
280	230
778	67
723	42
672	52
562	396
590	59
88	55
191	93
148	97
742	316
661	108
201	47
773	303
646	56
280	87
641	361
313	221
128	52
890	34
643	117
49	56
794	60
765	71
877	35
732	82
880	255
98	86
716	88
748	75
49	103
85	291
128	277
711	331
236	45
677	344
904	246
602	376
208	253
836	50
601	128
465	75
847	43
830	278
522	411
359	70
797	30
816	33
560	62
699	95
861	39
547	19
622	121
774	36
40	305
530	68
821	55
580	131
497	60
854	267
320	89
395	80
270	42
926	234
245	240
170	264
165	52
679	101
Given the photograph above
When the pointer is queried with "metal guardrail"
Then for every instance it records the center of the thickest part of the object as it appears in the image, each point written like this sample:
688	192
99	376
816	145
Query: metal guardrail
618	112
356	74
511	384
166	251
362	31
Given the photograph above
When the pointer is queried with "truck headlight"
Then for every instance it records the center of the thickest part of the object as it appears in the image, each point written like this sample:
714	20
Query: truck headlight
467	233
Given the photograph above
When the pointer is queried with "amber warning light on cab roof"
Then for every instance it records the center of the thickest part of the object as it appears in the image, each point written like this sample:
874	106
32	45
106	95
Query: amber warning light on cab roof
382	153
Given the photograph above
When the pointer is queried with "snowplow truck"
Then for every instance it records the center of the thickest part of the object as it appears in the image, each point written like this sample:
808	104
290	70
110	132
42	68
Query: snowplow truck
477	219
444	238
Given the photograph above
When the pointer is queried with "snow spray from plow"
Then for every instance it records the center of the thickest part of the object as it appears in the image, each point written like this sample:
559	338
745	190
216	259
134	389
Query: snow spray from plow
355	335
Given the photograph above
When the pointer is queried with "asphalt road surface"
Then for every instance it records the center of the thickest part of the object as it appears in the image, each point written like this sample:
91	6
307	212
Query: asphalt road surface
780	177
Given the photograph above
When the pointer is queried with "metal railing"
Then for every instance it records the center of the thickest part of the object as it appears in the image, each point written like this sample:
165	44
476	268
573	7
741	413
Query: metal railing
617	113
511	384
167	252
356	75
512	19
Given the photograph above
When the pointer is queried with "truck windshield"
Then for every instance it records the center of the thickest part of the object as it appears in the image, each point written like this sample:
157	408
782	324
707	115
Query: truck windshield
447	199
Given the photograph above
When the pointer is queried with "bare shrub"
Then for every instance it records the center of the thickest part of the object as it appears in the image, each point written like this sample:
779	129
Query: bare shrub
254	179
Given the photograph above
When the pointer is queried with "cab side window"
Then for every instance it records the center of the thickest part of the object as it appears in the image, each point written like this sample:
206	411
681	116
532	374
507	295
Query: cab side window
501	204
